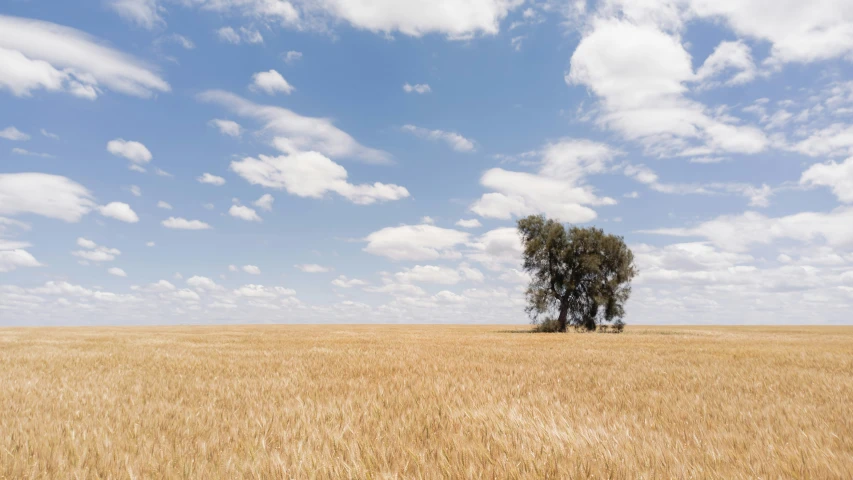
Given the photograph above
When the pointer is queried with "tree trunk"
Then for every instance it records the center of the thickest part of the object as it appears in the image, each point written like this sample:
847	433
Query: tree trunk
562	320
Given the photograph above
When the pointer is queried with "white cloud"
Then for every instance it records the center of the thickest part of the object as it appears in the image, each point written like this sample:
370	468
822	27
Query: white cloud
227	34
737	233
13	255
12	133
310	174
313	268
497	249
232	268
800	32
163	205
271	82
119	211
252	269
291	56
184	224
95	252
41	55
834	140
836	176
758	196
457	19
343	282
265	202
260	291
438	274
227	127
428	220
246	35
517	42
143	13
117	272
211	179
135	190
162	173
133	151
291	132
244	213
454	140
86	243
420	88
557	190
727	56
21	151
181	40
251	35
470	223
202	283
49	135
42	194
639	74
415	242
150	244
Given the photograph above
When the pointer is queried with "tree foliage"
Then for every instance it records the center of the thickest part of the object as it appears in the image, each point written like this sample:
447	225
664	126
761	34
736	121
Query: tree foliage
581	275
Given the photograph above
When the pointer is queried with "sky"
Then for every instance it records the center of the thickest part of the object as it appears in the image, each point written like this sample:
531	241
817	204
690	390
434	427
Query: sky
365	161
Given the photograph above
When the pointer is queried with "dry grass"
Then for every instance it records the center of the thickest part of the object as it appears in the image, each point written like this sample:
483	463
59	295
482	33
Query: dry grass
425	402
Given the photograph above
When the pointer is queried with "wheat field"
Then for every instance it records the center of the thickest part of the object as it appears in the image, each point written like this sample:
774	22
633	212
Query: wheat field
426	402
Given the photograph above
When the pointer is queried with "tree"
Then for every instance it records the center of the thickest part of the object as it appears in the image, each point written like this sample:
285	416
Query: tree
580	274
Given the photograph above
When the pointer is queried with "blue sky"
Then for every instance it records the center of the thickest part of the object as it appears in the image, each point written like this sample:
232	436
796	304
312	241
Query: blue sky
211	161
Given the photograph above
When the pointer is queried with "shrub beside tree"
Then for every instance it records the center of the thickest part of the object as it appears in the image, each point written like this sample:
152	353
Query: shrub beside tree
579	276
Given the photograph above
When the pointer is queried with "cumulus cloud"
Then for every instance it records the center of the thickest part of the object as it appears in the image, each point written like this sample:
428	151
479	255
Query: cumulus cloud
245	35
737	233
94	252
837	176
163	205
454	140
211	179
727	56
312	268
639	73
557	190
13	254
202	283
119	211
291	56
415	242
265	202
497	249
343	282
417	88
12	133
117	272
37	55
290	132
184	224
271	82
133	151
438	274
469	223
244	213
227	127
43	194
260	291
143	13
252	269
311	174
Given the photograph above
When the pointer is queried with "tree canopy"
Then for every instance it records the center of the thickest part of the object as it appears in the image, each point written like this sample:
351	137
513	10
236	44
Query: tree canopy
581	275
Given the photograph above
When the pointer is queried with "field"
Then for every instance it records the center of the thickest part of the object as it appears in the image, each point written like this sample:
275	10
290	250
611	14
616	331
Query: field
426	402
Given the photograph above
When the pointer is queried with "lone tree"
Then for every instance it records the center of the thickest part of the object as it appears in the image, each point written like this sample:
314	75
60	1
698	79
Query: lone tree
580	274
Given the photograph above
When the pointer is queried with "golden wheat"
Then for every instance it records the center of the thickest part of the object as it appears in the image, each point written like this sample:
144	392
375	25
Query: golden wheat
425	402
